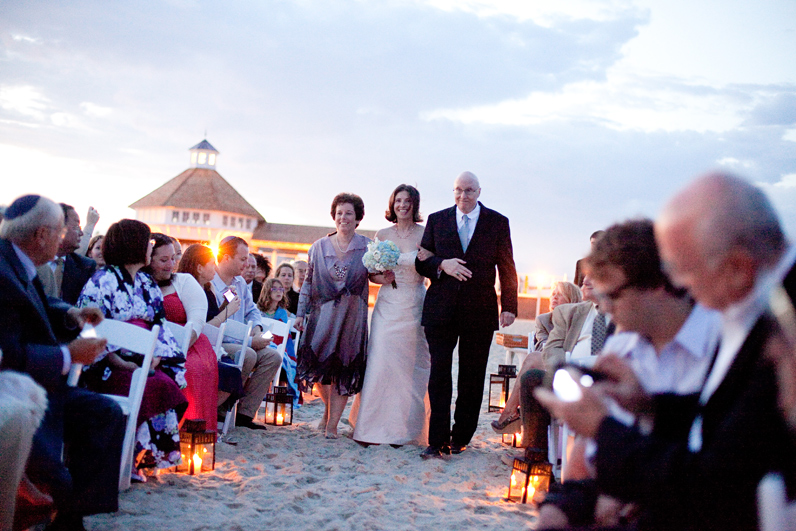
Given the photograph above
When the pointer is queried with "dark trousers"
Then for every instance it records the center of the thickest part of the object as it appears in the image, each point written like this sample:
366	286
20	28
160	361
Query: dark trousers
91	431
535	418
473	355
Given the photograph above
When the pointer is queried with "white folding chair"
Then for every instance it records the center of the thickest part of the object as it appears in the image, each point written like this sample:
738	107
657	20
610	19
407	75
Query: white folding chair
141	341
278	328
216	337
240	332
182	333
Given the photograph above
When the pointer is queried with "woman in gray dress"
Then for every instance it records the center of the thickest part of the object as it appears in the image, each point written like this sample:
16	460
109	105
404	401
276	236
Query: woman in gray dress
334	301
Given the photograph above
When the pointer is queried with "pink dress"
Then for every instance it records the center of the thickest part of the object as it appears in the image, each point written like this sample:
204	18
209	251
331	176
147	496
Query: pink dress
201	369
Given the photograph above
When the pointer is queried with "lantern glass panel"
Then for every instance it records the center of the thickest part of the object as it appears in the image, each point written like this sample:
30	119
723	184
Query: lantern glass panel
529	482
279	407
498	391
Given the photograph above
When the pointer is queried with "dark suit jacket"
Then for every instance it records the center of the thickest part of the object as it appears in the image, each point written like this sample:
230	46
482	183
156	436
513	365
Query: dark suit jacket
743	437
257	288
472	302
77	271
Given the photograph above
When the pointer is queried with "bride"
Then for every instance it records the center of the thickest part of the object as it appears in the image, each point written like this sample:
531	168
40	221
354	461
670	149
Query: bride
393	405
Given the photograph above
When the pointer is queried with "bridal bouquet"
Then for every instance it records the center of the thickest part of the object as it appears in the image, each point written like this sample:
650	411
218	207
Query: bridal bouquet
381	256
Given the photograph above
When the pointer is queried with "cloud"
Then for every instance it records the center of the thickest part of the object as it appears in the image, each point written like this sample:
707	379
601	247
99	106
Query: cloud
25	100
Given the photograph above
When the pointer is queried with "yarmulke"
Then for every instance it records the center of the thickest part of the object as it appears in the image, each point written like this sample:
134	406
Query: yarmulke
22	206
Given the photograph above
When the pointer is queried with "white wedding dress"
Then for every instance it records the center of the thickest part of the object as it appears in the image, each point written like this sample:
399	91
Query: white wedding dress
393	405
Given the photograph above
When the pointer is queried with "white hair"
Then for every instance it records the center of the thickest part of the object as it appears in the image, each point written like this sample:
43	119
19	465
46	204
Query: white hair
45	213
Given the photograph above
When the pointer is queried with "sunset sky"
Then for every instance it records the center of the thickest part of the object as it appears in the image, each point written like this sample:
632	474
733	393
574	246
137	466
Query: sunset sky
573	114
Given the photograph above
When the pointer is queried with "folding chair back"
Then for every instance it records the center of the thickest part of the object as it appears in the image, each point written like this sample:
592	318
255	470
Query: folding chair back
241	332
141	341
278	328
182	334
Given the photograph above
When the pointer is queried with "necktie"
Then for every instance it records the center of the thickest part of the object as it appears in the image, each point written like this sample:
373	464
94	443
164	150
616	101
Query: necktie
598	334
58	275
464	233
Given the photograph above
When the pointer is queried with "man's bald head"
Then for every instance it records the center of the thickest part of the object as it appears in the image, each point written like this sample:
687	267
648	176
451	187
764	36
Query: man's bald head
716	235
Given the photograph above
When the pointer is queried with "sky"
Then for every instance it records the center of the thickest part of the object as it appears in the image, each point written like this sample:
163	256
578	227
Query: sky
574	114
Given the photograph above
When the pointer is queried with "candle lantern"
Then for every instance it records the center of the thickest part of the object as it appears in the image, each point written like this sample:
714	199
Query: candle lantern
529	482
197	448
513	439
279	407
500	386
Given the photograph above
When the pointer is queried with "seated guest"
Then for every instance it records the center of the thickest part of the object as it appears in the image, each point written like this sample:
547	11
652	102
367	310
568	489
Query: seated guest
263	268
29	237
284	273
198	261
261	362
578	330
719	238
95	250
177	252
125	293
300	267
273	306
183	301
65	276
249	272
579	269
563	293
667	340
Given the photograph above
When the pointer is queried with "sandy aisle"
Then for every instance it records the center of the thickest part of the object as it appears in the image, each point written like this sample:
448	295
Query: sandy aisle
293	478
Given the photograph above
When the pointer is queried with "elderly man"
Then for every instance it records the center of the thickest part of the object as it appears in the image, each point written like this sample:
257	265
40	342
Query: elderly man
261	362
64	276
467	242
721	239
91	424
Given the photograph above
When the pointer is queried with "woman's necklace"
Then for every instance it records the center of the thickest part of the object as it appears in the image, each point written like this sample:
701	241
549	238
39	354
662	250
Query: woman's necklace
337	243
408	233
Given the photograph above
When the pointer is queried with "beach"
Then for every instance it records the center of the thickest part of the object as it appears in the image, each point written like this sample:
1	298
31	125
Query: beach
291	477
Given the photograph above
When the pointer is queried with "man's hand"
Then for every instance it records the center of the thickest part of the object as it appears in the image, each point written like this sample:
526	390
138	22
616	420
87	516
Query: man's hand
455	267
83	316
622	385
85	350
583	417
506	318
92	217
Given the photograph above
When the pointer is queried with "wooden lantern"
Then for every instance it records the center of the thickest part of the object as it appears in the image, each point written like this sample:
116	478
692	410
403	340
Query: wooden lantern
500	387
197	448
513	439
529	482
279	407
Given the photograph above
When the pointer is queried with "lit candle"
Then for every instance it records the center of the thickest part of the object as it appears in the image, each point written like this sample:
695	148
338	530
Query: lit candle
197	462
280	419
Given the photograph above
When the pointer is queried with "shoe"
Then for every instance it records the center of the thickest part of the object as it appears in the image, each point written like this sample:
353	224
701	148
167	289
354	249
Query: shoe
432	452
511	424
456	449
248	422
66	522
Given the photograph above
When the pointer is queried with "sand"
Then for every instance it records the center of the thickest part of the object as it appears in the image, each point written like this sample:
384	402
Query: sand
293	478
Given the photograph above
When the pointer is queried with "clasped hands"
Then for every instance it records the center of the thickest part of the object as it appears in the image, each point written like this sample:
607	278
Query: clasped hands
584	416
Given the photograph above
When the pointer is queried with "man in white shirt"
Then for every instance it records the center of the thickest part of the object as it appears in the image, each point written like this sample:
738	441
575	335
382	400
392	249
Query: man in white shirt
261	361
667	341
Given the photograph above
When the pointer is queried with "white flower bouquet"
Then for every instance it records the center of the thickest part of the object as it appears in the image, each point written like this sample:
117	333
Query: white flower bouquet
381	256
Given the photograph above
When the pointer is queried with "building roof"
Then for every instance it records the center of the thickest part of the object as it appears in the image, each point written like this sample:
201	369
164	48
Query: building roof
277	232
204	144
199	189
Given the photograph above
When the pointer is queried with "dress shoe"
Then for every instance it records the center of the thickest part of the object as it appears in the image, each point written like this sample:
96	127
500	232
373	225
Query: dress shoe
456	449
432	452
511	424
247	422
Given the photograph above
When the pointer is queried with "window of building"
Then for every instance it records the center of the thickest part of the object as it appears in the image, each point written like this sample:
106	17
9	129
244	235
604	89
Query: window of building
248	224
175	216
206	219
225	221
202	158
196	218
211	159
186	216
240	222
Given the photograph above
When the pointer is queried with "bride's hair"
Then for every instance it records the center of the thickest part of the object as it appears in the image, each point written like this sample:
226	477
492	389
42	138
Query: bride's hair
414	195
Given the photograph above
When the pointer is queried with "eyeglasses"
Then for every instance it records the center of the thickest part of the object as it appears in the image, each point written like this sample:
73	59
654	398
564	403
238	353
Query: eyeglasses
612	295
466	191
277	288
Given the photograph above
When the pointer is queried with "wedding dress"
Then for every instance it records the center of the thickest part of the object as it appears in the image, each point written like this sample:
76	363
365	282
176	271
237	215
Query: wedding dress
393	405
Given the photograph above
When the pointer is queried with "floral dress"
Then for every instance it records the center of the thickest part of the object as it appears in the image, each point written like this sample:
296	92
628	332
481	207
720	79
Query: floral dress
139	301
